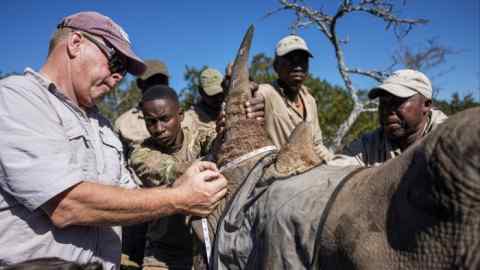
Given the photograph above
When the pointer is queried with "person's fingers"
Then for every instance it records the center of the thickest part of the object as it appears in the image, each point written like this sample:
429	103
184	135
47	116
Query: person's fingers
257	115
253	87
216	198
205	165
214	181
256	107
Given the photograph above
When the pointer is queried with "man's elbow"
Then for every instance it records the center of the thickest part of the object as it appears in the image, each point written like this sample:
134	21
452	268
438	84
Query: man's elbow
60	219
62	212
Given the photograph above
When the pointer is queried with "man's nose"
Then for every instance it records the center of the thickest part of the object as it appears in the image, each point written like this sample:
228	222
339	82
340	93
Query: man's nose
159	127
114	79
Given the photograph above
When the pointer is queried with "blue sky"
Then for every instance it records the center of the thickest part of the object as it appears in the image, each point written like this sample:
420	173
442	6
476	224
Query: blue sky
198	33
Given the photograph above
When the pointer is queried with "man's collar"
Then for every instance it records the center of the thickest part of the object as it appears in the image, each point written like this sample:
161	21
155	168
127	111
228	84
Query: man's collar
52	88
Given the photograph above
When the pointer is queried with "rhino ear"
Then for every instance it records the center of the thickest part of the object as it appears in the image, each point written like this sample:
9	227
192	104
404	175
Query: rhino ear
297	155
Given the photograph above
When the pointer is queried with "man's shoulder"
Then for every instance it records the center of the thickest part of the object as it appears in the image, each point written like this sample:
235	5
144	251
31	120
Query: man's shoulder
14	80
20	84
18	92
127	116
267	89
197	118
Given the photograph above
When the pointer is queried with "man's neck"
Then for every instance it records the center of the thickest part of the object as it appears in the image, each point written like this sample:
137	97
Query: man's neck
292	93
59	76
177	145
407	141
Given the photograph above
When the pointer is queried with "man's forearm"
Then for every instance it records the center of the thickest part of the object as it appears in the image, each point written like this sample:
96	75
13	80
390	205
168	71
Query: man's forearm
95	204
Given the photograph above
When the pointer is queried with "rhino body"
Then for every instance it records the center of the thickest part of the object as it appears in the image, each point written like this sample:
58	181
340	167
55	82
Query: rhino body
288	210
418	211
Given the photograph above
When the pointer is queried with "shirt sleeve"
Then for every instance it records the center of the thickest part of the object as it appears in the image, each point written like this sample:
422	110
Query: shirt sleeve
153	167
35	157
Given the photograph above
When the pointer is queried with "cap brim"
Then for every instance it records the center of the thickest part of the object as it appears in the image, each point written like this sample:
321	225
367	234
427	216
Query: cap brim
212	91
394	89
294	49
135	65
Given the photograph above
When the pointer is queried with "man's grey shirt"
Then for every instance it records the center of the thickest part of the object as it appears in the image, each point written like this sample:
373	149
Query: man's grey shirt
47	145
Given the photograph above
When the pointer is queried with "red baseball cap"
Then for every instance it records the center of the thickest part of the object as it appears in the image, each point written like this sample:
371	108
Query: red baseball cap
101	25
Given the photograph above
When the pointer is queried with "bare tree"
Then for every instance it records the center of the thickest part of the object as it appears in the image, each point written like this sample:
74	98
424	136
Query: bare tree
424	58
327	24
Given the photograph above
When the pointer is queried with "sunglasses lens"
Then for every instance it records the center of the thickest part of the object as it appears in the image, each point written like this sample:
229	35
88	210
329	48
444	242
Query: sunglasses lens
117	65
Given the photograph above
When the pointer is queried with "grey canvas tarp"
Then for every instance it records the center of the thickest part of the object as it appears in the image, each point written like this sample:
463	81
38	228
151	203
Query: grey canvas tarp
273	223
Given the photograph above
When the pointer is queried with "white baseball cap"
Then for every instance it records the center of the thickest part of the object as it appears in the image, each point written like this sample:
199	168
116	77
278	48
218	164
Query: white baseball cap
404	83
291	43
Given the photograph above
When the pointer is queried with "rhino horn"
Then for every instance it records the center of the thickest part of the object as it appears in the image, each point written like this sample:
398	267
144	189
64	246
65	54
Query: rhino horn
297	155
241	134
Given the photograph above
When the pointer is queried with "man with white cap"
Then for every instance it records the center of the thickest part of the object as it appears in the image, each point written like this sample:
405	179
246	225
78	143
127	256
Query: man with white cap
287	101
63	184
406	114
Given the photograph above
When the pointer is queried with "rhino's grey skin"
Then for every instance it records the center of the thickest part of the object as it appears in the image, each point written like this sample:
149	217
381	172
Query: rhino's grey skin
418	211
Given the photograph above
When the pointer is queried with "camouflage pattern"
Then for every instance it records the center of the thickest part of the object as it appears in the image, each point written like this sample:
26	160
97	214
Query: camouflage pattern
169	241
198	118
374	148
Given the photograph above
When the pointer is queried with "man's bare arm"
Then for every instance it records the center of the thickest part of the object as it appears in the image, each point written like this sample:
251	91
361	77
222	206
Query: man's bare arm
196	192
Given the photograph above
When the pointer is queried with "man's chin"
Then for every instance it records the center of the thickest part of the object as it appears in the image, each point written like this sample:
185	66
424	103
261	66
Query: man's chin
162	143
395	134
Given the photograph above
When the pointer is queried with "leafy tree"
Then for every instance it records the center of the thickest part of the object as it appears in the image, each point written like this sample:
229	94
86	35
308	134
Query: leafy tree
261	69
457	103
123	97
189	94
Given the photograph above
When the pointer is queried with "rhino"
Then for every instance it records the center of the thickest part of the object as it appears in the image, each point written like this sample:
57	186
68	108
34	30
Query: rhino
287	209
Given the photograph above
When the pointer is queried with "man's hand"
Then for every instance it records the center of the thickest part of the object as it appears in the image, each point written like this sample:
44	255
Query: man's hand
200	189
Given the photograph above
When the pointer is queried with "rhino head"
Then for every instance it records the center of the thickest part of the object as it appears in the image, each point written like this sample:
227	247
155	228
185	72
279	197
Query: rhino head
243	137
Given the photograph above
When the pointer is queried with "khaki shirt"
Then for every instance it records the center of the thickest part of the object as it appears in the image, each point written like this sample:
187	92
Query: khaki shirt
281	117
374	148
197	117
169	240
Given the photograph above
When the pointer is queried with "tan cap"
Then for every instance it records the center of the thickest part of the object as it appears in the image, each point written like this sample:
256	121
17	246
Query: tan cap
101	25
211	81
154	67
404	83
291	43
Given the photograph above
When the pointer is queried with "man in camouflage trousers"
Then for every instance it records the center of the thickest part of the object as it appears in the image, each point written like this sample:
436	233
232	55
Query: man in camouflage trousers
406	115
157	162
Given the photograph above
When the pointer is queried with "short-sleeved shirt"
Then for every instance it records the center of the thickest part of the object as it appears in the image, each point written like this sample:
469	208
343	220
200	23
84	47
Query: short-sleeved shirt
48	145
374	148
169	240
281	117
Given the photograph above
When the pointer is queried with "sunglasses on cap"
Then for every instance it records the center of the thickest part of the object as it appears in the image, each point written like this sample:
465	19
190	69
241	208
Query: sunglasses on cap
116	63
